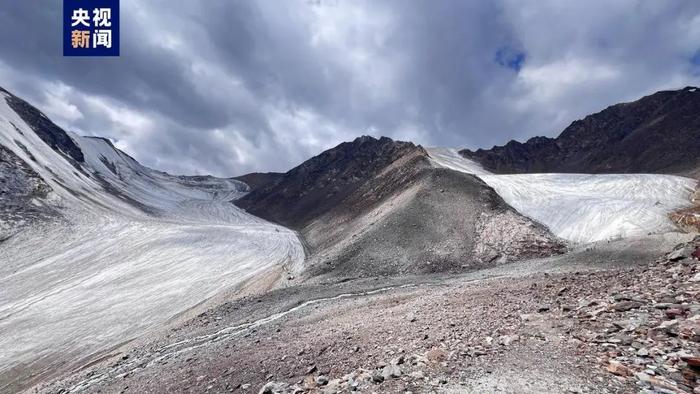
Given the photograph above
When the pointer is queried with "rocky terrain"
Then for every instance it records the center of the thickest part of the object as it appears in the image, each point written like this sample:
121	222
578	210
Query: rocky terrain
689	218
439	221
607	318
380	207
655	134
322	182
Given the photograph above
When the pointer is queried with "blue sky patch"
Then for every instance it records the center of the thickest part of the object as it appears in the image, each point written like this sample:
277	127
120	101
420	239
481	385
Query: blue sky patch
695	63
511	58
695	59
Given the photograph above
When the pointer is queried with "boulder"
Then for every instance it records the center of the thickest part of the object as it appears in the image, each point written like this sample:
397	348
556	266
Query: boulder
617	368
391	371
624	306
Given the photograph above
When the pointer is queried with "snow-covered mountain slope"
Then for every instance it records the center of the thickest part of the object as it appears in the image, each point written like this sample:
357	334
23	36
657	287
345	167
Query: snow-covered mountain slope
585	208
450	158
122	249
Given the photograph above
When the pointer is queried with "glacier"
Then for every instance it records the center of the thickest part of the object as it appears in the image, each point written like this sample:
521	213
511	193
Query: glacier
584	208
132	249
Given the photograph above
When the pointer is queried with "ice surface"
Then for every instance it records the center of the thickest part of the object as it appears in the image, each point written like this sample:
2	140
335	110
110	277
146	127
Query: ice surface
450	158
585	208
137	248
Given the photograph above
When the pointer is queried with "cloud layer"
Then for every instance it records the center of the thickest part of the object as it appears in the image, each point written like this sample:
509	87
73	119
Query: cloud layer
228	87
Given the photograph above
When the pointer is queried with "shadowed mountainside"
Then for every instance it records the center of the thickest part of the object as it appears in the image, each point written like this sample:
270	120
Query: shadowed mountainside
259	180
659	133
320	183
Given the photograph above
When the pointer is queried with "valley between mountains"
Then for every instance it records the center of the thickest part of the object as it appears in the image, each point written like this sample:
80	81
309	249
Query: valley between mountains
565	264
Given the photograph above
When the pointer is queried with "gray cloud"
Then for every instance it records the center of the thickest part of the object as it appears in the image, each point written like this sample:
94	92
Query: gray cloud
227	87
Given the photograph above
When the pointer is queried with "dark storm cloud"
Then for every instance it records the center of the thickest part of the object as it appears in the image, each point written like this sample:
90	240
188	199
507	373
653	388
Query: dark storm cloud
227	87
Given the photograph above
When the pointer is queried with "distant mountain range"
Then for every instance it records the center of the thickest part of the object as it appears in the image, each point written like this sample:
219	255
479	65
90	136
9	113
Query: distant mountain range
659	133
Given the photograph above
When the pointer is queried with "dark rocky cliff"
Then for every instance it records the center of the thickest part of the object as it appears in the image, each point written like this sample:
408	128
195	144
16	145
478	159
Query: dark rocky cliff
659	133
320	183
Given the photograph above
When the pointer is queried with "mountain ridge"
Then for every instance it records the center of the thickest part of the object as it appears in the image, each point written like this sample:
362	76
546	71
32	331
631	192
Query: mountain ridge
659	133
324	180
381	207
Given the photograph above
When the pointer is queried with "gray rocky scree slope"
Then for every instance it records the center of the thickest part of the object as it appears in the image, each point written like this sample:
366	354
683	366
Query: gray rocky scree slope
628	330
378	207
659	133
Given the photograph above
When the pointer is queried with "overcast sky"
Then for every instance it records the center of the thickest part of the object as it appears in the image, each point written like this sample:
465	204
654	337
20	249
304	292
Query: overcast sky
228	87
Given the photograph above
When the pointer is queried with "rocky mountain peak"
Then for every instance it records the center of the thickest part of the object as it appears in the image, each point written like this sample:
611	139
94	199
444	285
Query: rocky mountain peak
325	179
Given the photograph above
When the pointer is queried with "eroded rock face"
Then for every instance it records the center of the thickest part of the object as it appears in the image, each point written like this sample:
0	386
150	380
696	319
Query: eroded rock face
507	236
655	134
418	219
